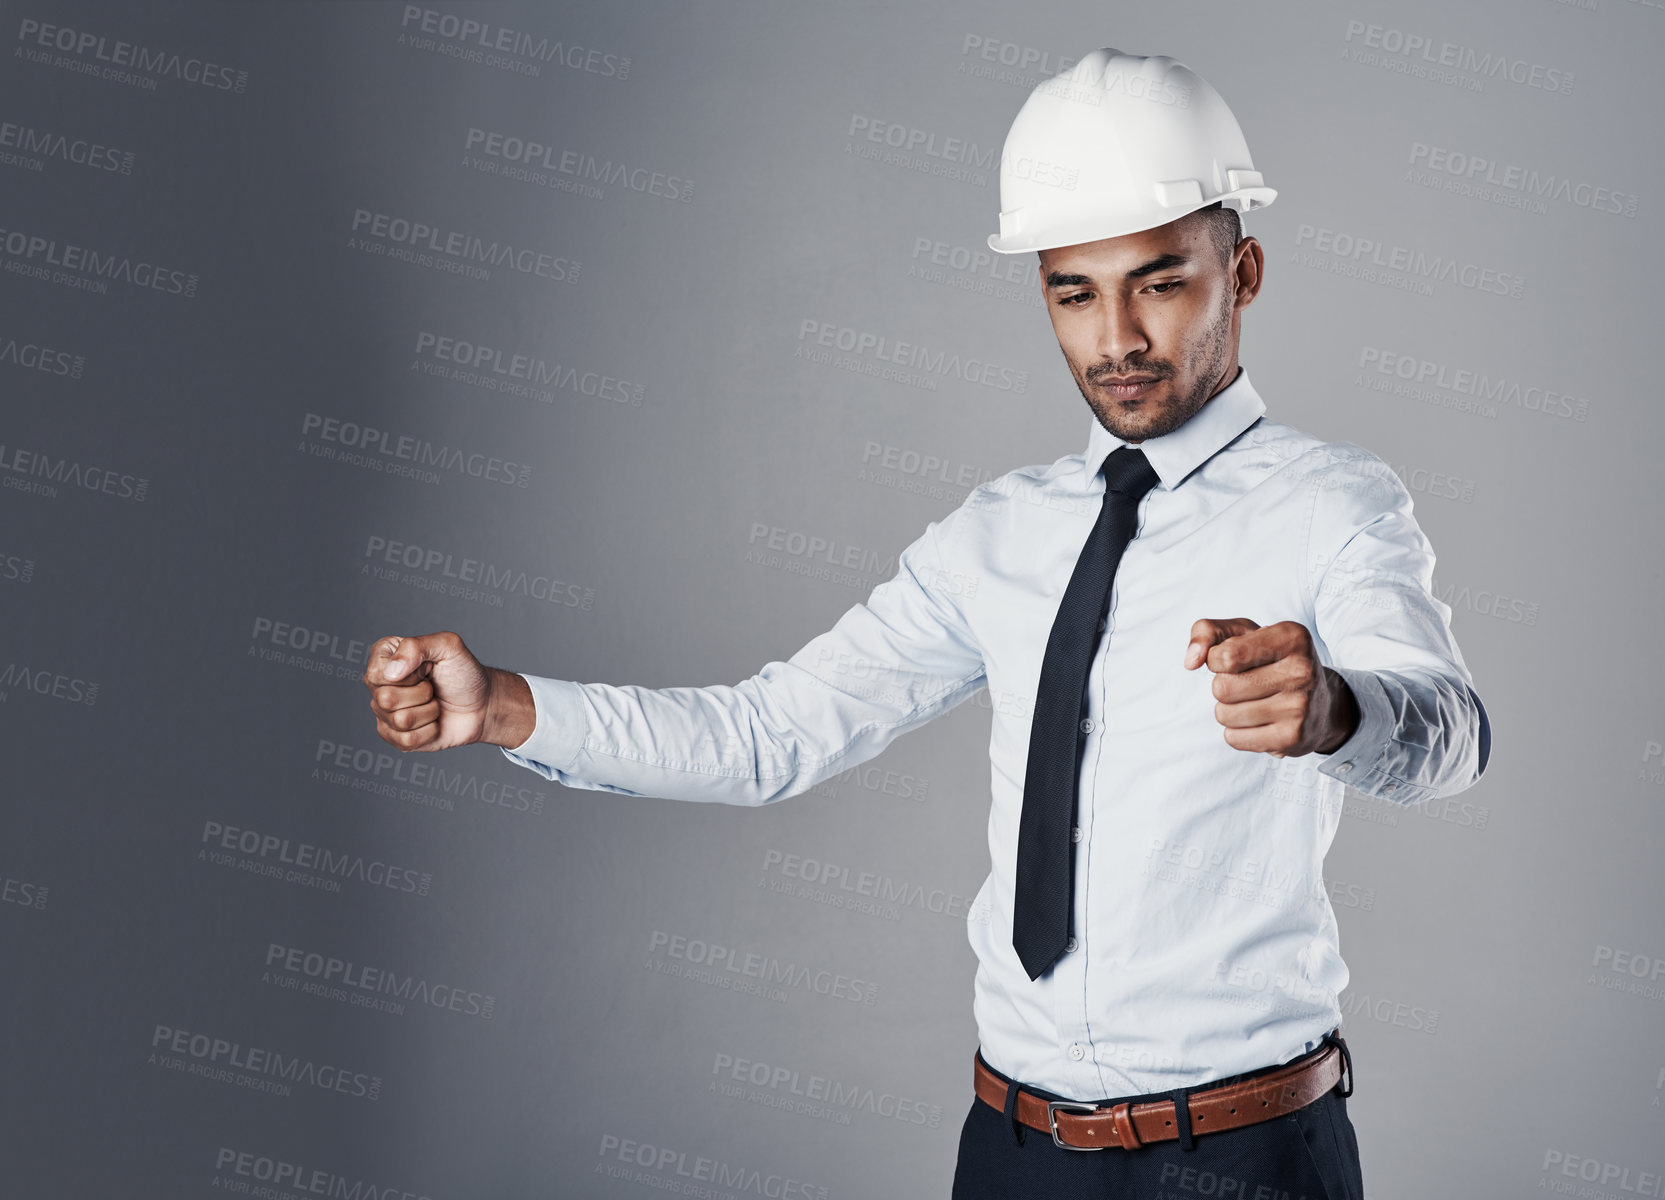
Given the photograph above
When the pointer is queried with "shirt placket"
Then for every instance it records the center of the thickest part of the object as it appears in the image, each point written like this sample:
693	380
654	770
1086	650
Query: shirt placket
1074	999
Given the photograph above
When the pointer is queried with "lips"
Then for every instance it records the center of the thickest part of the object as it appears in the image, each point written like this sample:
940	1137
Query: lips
1128	387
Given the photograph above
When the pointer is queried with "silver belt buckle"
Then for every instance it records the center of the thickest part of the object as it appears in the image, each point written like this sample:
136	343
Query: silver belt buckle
1052	1107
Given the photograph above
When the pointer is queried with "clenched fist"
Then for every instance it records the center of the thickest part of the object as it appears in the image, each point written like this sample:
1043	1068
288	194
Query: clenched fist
1274	695
431	693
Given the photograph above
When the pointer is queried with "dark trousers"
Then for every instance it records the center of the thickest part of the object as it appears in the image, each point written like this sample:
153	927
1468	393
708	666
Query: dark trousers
1309	1154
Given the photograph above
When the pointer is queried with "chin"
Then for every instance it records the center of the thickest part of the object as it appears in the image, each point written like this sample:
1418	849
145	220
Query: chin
1129	430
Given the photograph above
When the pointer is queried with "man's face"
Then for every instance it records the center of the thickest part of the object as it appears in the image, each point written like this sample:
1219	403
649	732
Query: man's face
1148	322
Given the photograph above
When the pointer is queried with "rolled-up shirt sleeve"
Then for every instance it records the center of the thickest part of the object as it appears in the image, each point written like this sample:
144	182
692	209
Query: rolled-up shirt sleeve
1423	731
901	658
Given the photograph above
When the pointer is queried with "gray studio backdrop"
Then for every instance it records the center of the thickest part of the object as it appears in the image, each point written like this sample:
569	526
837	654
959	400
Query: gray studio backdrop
574	329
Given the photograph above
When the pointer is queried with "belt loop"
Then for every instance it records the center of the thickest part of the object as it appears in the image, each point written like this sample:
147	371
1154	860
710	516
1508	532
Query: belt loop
1334	1038
1182	1118
1011	1110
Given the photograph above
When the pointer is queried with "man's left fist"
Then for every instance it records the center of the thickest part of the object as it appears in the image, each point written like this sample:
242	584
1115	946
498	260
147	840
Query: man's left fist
1273	694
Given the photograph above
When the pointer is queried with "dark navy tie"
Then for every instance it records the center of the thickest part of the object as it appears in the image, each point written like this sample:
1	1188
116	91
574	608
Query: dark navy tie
1043	908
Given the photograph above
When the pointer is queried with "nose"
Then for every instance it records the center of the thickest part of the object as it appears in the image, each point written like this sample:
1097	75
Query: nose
1119	334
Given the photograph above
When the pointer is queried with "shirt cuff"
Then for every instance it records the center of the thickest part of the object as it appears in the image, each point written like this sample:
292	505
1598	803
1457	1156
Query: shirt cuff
1360	761
562	723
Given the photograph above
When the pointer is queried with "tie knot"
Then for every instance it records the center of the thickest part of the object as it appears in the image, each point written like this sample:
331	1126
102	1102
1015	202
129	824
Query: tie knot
1128	472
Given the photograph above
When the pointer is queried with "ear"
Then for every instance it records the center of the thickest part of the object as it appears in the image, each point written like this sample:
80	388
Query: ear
1249	272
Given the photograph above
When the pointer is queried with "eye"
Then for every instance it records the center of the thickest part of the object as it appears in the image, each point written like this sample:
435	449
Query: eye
1162	289
1070	301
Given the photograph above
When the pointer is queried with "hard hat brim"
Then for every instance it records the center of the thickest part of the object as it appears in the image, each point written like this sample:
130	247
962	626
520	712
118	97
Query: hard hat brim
1243	199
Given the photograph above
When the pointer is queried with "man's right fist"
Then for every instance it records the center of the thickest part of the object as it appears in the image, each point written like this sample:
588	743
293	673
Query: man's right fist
431	693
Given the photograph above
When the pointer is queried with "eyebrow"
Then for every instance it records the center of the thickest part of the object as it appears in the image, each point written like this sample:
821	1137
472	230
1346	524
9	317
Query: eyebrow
1160	263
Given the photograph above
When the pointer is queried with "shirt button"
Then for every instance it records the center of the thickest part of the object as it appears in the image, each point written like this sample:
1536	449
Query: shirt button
1101	624
1086	725
1075	834
1389	789
1077	1053
1070	946
1344	768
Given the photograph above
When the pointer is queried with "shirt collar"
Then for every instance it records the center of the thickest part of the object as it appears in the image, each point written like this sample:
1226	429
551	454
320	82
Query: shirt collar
1175	455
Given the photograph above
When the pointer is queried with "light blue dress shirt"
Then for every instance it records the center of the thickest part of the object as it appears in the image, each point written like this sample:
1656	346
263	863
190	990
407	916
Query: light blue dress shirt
1206	943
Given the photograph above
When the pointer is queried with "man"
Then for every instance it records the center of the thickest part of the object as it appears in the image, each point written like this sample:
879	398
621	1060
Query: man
1158	960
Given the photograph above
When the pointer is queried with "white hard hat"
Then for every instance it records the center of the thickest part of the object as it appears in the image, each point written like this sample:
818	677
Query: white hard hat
1116	144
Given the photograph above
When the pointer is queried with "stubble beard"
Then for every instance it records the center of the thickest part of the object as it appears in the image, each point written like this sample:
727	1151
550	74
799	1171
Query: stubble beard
1207	353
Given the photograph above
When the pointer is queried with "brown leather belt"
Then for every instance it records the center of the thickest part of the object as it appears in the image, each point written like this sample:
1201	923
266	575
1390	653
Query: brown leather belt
1077	1126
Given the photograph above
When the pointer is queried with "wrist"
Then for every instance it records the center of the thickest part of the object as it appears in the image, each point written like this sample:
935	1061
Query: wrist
1344	713
511	715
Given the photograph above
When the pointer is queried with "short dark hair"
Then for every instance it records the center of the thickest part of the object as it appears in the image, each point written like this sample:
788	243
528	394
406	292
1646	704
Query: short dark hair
1225	226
